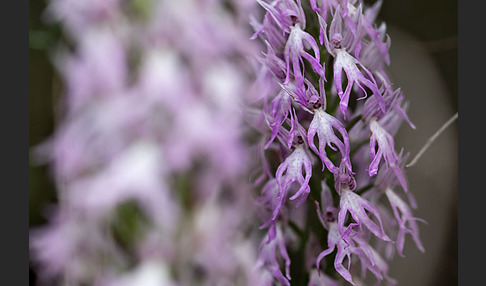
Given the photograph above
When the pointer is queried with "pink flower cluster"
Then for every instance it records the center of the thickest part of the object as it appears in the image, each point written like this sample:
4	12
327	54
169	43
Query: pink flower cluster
322	55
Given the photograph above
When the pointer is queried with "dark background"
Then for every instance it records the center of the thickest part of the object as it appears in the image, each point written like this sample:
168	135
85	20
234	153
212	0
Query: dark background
433	23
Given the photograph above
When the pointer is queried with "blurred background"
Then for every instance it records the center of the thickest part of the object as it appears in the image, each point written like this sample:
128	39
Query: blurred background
423	62
424	55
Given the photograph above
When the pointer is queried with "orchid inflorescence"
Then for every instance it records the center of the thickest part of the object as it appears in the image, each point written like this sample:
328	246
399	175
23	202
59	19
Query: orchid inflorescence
321	55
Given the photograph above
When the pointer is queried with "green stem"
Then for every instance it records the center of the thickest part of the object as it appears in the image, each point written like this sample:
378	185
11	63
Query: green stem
360	144
364	189
298	231
353	122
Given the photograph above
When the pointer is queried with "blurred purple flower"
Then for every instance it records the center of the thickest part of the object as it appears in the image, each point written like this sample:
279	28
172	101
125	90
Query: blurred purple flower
152	120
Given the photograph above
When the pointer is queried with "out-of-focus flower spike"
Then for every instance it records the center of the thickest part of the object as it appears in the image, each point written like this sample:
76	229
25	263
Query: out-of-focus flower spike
257	27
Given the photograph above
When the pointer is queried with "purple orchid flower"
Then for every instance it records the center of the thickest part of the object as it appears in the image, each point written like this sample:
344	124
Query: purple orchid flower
339	47
393	103
279	111
344	249
290	171
294	52
406	218
326	211
323	125
386	150
357	207
268	257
